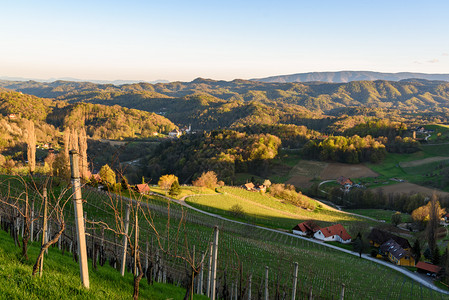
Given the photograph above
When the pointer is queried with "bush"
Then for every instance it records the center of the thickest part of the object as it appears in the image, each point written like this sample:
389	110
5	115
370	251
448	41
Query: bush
207	179
237	210
289	194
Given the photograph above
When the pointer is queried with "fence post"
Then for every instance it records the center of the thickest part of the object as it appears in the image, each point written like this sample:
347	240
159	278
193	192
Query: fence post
342	296
295	280
125	241
200	281
32	223
266	283
209	271
44	229
136	241
214	264
310	294
79	220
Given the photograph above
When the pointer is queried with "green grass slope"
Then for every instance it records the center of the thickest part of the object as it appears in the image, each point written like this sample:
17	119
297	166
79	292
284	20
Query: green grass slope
61	278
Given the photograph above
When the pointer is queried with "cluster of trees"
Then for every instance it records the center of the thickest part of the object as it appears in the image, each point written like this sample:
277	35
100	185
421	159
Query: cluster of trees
292	136
223	151
115	122
352	150
288	193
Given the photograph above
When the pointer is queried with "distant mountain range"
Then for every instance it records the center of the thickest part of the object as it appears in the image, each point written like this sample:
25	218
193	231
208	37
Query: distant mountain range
114	82
348	76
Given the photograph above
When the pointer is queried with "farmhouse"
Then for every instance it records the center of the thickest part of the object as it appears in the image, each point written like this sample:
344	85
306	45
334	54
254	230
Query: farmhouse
379	237
143	188
249	186
306	228
428	269
333	233
396	254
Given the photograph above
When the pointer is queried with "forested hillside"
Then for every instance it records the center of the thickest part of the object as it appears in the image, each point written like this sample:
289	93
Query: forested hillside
208	104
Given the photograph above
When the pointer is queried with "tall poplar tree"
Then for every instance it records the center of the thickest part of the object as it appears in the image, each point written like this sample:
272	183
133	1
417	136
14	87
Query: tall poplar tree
31	146
82	137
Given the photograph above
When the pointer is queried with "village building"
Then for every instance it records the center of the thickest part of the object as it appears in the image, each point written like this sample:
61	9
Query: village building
306	228
175	133
143	188
333	233
396	254
379	237
428	269
249	186
345	182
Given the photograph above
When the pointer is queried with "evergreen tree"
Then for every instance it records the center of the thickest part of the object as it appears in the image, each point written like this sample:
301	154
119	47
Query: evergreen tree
175	189
416	249
107	175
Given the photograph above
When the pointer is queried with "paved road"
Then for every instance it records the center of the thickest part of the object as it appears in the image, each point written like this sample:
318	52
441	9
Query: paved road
414	276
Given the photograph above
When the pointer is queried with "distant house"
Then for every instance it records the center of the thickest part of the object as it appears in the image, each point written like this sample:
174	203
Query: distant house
175	133
333	233
344	181
378	237
143	188
428	269
396	254
12	116
307	228
249	186
262	188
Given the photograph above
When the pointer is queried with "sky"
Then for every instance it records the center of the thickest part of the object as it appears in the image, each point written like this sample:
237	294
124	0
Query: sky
219	39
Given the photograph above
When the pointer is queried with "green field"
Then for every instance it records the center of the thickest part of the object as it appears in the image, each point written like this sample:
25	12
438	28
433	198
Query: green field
265	210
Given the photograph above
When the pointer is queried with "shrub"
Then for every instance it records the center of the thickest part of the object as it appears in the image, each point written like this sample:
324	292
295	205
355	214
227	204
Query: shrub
237	210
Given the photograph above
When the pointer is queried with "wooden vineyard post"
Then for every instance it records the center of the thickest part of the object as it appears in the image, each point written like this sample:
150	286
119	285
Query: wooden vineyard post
44	229
342	296
295	280
79	220
200	281
125	241
214	264
310	294
32	223
136	242
266	283
209	271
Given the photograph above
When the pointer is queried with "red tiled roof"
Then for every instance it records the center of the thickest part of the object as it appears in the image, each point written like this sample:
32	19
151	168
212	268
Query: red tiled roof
336	229
308	225
249	185
428	267
143	188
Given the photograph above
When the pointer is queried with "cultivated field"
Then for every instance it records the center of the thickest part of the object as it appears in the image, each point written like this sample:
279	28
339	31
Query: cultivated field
307	170
407	187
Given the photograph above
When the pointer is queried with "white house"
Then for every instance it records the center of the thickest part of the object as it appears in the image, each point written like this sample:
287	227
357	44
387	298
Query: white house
333	233
174	133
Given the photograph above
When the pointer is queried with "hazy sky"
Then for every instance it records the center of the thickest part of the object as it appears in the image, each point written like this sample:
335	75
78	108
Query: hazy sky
219	39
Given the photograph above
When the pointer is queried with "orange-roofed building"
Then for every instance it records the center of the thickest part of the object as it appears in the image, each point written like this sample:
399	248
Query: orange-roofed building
306	228
333	233
143	188
427	268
